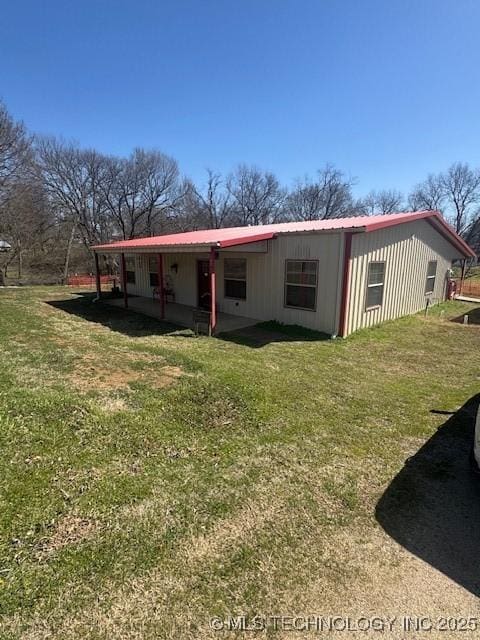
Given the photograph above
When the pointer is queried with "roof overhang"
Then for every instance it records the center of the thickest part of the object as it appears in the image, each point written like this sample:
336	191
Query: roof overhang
439	224
260	237
129	245
436	220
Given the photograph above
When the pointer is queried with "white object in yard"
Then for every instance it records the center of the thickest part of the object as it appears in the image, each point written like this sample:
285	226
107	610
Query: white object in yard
465	319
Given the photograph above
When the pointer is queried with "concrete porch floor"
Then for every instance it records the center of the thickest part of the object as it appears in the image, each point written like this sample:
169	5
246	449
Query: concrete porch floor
181	314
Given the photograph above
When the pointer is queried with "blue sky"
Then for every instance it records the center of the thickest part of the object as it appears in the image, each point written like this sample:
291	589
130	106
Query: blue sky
387	90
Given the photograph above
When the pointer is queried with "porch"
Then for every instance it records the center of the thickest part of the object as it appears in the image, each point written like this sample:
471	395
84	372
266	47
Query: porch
180	314
175	279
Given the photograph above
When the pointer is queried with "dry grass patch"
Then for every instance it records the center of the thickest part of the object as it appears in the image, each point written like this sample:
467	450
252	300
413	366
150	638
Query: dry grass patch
92	372
145	509
103	367
112	404
72	529
231	532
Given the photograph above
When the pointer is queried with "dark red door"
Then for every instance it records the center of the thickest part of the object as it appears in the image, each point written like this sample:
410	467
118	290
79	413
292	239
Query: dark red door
203	284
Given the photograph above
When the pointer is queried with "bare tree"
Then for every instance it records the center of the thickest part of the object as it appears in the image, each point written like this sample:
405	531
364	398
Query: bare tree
15	157
186	213
456	193
257	196
428	195
73	179
209	206
14	151
461	186
140	190
215	203
330	196
382	202
25	222
472	233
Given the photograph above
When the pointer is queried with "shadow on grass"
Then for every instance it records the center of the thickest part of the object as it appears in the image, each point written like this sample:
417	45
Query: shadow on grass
432	507
117	319
265	333
132	323
473	317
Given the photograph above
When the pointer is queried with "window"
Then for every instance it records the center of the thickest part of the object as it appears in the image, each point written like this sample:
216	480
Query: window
235	278
301	284
130	269
431	275
153	270
375	284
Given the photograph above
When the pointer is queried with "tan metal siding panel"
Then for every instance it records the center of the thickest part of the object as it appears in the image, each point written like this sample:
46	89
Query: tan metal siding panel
406	250
266	281
141	276
325	248
184	281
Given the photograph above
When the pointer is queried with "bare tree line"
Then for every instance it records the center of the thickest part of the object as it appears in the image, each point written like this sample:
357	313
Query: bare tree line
57	199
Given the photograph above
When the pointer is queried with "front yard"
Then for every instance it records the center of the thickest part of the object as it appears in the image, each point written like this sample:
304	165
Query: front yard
151	480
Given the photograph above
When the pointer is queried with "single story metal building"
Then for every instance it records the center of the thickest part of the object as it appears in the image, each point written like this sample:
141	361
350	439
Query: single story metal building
334	276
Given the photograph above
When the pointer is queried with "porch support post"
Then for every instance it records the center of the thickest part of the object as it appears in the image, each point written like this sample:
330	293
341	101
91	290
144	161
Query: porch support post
98	281
347	252
213	296
123	269
462	276
161	286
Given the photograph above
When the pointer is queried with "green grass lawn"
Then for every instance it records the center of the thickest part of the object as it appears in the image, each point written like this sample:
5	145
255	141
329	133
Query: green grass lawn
151	480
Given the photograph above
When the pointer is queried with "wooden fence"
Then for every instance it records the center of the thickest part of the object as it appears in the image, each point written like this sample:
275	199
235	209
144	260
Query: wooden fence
470	287
88	280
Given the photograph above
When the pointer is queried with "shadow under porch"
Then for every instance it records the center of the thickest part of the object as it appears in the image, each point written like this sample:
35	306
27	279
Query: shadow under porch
179	314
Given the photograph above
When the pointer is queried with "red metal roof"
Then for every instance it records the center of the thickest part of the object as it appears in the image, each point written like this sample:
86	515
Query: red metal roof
233	236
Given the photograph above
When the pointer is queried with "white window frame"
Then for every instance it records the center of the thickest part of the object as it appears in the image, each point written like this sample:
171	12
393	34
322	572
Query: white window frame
225	278
296	284
152	258
375	285
430	280
130	260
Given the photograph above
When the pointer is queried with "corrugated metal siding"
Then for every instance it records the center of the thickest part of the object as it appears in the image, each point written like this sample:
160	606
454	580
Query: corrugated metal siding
406	250
184	282
265	280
